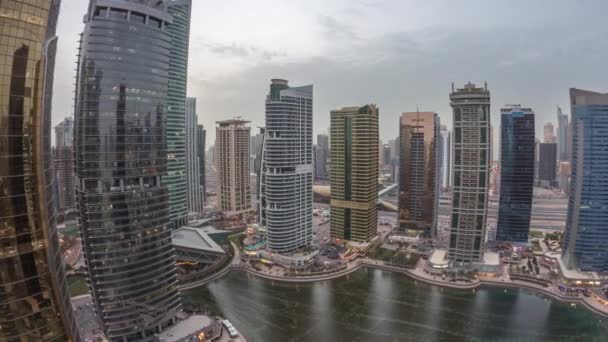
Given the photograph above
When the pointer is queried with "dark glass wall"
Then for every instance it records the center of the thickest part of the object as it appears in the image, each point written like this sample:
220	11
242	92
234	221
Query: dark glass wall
120	118
517	174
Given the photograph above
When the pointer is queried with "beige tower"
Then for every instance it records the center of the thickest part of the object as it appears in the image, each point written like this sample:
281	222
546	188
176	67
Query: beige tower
232	164
354	173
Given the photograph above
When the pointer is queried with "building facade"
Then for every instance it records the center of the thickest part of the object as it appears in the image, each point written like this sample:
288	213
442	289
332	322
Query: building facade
547	163
176	177
517	140
194	189
419	172
201	136
445	157
63	162
120	116
287	167
232	165
549	133
470	172
562	135
354	175
34	300
321	158
586	234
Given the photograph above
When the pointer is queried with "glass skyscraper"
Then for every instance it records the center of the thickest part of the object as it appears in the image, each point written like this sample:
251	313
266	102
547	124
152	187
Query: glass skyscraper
471	172
517	144
34	300
195	189
287	168
120	115
419	172
175	128
586	235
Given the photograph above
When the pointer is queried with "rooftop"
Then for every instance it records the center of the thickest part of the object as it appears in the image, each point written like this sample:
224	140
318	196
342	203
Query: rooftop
185	328
438	257
576	274
491	259
195	238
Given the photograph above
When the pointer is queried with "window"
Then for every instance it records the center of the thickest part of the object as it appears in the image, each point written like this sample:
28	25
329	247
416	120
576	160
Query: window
138	18
155	22
118	14
100	12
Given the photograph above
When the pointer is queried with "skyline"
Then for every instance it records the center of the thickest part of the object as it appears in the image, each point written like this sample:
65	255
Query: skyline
231	67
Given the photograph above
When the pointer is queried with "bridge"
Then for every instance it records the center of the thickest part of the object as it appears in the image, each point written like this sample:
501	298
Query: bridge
324	191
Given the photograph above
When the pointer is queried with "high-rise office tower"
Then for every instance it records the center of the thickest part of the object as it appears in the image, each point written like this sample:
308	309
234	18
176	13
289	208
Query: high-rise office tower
201	136
445	156
547	163
562	135
354	175
175	131
232	164
321	157
34	300
470	172
255	148
394	146
419	172
517	144
194	189
63	161
121	159
549	133
586	234
287	167
386	155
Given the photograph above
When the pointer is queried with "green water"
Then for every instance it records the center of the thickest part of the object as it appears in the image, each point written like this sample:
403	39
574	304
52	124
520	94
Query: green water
373	305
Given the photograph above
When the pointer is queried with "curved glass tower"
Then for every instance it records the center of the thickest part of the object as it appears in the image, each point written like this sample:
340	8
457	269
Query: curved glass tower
34	300
175	129
120	115
287	172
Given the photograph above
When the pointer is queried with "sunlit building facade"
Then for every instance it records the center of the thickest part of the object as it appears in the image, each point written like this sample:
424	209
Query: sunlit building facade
232	165
120	118
354	175
517	140
470	173
34	300
419	172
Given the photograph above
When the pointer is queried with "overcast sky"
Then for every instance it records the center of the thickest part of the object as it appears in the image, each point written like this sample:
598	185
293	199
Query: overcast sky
397	54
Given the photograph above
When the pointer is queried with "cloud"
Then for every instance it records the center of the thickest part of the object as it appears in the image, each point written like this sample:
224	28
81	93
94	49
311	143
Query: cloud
242	51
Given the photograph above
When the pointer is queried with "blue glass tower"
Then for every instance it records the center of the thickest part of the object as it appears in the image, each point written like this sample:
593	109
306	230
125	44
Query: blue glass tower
586	236
517	174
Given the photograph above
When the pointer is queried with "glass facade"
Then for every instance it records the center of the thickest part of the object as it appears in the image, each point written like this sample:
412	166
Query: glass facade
517	146
195	189
586	235
287	168
120	116
470	173
34	299
354	173
175	126
419	172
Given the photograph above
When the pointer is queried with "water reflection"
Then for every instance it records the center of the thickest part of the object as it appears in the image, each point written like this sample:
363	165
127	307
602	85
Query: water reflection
379	306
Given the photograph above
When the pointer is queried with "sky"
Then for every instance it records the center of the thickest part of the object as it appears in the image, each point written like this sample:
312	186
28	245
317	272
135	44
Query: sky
400	55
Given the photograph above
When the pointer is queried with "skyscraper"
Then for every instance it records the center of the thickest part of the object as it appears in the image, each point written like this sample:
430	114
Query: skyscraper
547	163
34	300
471	172
549	134
175	130
419	172
63	161
516	173
445	156
232	164
201	136
321	157
586	234
195	189
287	167
354	175
562	135
120	116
